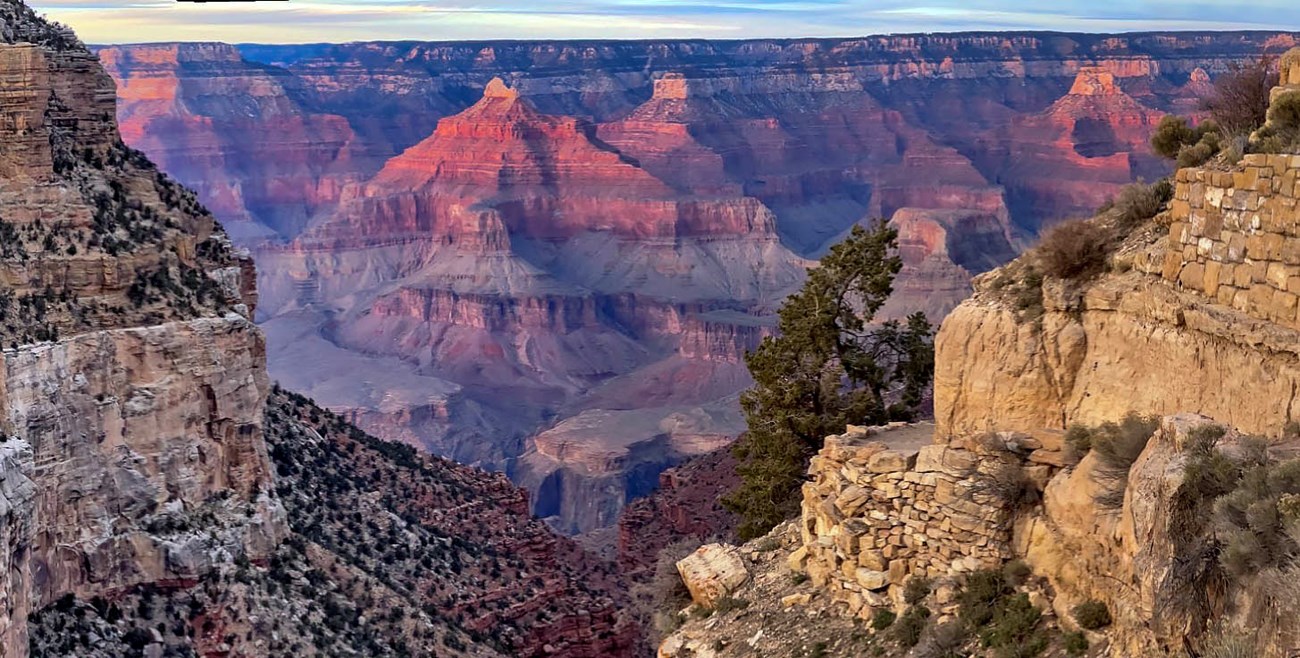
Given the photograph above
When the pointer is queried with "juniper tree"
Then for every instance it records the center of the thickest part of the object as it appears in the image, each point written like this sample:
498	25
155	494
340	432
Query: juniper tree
828	366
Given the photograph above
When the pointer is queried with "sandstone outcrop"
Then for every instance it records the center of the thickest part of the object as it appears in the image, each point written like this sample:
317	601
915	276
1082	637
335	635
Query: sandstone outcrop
712	572
1102	351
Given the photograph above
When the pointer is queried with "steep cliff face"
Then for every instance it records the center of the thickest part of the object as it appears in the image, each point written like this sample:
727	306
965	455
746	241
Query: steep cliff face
133	381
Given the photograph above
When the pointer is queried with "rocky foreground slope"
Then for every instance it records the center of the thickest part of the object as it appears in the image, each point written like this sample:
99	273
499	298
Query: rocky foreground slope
1111	473
157	497
597	231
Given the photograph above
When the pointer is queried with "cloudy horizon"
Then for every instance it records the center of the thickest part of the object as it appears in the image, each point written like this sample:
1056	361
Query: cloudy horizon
309	21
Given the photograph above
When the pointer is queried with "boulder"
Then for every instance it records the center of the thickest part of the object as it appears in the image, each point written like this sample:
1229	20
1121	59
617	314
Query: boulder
712	572
891	461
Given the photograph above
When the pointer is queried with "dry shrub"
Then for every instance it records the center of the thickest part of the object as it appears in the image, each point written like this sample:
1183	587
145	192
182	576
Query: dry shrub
1239	104
1117	446
1139	202
1006	484
947	640
1074	250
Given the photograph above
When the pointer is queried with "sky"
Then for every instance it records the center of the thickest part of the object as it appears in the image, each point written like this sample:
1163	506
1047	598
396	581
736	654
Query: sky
307	21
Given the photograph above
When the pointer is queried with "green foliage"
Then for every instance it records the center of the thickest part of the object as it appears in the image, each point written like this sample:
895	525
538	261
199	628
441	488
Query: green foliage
827	368
883	618
730	604
1013	627
1259	522
1172	134
1195	155
1190	147
1282	134
982	590
1075	644
1091	615
947	640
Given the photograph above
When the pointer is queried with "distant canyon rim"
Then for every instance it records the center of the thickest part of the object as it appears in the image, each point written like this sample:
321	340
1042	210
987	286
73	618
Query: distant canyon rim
548	258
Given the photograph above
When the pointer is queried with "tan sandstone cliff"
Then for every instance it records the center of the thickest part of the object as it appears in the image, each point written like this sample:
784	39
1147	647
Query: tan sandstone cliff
133	380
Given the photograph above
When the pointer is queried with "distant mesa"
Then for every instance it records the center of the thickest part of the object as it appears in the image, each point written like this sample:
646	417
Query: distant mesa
1095	81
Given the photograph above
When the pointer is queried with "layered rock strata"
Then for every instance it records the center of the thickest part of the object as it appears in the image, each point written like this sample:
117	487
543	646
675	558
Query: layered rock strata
586	227
133	379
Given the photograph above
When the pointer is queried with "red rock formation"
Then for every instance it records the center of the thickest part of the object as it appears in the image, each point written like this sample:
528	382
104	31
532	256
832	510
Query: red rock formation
502	166
685	506
232	131
1077	153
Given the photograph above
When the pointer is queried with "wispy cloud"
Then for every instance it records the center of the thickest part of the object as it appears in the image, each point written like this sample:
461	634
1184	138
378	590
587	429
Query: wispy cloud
121	21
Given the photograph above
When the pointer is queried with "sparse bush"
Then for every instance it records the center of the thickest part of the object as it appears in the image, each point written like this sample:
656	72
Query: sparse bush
1239	103
1257	527
1029	296
1140	202
910	627
1091	615
1012	629
1075	643
1231	645
978	596
730	604
1073	250
1078	442
883	618
945	641
917	588
1117	446
1006	484
1282	134
1015	573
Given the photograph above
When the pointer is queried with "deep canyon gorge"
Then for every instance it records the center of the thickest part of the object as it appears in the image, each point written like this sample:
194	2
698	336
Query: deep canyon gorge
549	258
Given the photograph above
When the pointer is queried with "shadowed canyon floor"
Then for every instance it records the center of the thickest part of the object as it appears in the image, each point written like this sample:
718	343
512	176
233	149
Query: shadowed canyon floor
549	258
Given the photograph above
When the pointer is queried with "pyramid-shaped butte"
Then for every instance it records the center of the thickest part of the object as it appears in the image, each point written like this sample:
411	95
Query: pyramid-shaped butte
503	166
